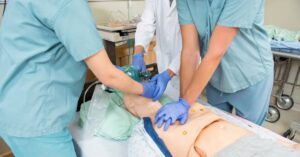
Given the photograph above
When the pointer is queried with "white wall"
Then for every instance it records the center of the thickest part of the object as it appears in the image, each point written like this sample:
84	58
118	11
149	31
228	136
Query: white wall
103	10
284	13
107	11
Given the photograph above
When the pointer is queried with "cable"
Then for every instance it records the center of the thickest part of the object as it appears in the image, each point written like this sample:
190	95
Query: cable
4	7
89	87
129	53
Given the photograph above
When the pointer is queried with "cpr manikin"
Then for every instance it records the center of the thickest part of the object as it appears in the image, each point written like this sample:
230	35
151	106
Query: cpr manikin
205	134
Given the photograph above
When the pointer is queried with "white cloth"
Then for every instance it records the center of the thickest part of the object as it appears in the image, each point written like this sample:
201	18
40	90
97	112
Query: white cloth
91	146
161	18
172	89
140	144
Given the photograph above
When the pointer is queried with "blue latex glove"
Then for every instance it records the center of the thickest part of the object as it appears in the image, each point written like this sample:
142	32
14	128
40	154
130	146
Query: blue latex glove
162	80
150	89
172	112
138	62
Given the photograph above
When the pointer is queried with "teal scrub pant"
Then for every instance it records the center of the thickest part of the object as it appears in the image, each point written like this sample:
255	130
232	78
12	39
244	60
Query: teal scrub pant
251	103
55	145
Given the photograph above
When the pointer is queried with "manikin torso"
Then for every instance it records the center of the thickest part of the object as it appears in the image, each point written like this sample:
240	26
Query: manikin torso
205	133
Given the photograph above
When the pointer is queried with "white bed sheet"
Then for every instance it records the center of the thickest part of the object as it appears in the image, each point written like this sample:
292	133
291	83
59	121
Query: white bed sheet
91	146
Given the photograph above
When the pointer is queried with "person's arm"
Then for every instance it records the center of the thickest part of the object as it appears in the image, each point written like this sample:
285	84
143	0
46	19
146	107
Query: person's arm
221	39
146	27
109	75
190	56
83	43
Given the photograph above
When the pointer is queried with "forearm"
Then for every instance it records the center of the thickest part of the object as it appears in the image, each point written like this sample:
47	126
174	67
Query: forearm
119	80
188	68
190	55
201	78
110	76
222	38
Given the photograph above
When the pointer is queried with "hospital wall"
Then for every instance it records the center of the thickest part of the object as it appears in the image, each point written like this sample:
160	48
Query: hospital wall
284	13
105	12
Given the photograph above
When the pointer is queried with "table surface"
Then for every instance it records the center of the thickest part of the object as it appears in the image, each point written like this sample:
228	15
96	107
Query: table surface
119	28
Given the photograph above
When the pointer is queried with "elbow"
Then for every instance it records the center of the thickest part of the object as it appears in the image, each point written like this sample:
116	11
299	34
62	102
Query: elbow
108	79
190	53
215	55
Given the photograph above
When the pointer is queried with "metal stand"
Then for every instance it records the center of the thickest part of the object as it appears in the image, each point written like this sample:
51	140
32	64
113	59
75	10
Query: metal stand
284	101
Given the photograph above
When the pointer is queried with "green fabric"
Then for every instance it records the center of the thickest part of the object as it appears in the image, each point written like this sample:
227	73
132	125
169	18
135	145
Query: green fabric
118	122
280	34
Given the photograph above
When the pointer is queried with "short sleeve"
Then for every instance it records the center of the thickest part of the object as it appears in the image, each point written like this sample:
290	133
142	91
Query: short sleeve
76	29
184	14
239	13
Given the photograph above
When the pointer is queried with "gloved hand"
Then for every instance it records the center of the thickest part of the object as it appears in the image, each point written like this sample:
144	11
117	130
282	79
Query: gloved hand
162	80
138	62
172	112
152	90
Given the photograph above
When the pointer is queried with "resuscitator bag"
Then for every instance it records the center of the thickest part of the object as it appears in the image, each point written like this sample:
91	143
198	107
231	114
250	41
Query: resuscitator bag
106	116
135	74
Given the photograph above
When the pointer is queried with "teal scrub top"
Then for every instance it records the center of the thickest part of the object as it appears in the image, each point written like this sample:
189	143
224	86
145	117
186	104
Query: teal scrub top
42	47
249	58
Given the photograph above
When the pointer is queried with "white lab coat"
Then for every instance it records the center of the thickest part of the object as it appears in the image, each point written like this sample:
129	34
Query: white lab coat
162	19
